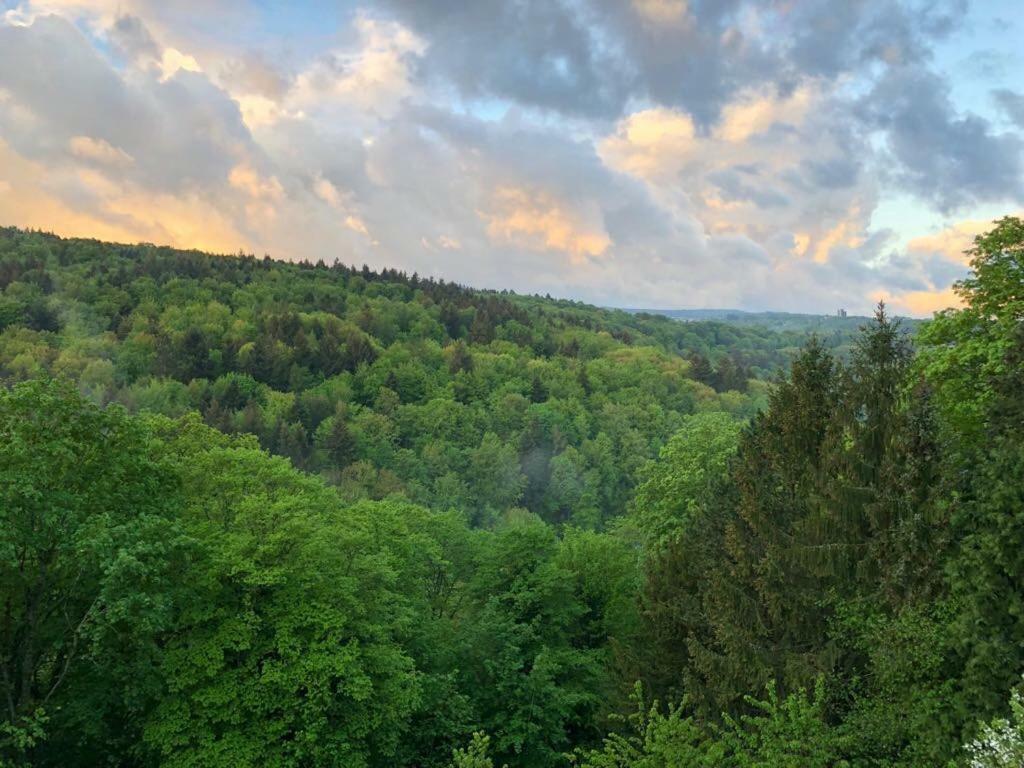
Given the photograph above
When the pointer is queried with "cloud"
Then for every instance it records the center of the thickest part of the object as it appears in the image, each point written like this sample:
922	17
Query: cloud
952	241
1012	105
181	131
920	303
754	113
536	220
595	58
89	204
253	74
833	39
949	158
651	143
132	39
343	203
658	152
373	75
540	53
173	61
99	151
662	12
760	173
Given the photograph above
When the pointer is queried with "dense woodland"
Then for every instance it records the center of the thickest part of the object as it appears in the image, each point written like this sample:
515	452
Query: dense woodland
383	383
267	514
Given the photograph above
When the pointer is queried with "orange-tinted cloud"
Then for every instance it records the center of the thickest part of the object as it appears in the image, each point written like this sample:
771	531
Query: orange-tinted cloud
952	241
99	151
670	13
651	143
756	111
29	197
536	220
741	177
848	232
921	303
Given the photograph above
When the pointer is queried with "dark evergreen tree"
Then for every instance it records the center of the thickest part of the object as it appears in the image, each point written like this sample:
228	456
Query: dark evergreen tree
461	359
339	443
700	369
194	356
538	392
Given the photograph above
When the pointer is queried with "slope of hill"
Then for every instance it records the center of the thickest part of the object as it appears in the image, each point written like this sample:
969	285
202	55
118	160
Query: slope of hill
777	321
384	382
502	524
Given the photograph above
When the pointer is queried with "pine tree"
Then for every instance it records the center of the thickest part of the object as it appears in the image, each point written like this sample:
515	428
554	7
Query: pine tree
859	447
538	392
339	443
700	369
758	617
461	359
584	380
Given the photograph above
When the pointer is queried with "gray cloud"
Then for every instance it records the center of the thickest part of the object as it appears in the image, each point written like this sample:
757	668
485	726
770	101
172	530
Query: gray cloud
732	185
253	73
945	157
541	53
593	57
833	173
1012	105
833	38
596	57
181	132
528	177
132	39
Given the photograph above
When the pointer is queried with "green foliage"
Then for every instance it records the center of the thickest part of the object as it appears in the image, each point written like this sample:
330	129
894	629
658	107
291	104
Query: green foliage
1000	743
786	733
178	594
88	546
363	519
532	674
383	383
673	487
733	605
474	755
287	651
963	351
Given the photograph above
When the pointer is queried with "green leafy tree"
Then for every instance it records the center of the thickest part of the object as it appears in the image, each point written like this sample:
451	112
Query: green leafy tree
530	683
493	477
1000	742
781	733
287	652
688	466
964	351
475	755
87	543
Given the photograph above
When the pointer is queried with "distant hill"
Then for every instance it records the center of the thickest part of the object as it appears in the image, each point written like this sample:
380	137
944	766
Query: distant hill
778	321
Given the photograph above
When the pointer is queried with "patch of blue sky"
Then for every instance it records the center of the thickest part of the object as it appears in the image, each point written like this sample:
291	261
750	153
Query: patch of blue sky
486	109
306	24
906	217
982	55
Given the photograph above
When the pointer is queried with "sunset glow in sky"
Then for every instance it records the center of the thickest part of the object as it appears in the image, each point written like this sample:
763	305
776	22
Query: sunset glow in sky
799	155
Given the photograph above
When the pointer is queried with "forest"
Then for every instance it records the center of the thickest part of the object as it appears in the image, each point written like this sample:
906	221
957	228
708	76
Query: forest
260	513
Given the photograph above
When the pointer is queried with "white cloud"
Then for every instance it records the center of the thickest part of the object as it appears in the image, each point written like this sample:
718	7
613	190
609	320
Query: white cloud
667	154
372	76
172	61
99	151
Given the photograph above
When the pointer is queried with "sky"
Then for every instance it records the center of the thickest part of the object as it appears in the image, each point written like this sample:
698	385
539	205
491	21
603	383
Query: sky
795	155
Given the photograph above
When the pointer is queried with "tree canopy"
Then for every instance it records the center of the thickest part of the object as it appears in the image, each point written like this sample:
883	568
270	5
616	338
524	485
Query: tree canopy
254	513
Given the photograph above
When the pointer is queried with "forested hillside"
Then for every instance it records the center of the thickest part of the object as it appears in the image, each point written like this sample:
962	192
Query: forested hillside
256	513
825	326
384	383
